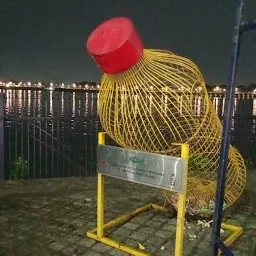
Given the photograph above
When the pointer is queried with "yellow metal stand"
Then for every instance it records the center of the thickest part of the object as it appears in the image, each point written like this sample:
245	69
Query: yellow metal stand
181	205
236	233
98	233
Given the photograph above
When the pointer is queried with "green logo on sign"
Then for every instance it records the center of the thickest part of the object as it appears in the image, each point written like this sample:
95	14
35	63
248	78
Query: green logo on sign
136	160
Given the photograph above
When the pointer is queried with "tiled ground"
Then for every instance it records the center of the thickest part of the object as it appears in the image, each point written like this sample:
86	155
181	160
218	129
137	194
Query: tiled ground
51	217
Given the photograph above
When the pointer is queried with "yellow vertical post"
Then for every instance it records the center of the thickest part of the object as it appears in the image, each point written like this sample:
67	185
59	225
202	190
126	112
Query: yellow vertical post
182	205
100	201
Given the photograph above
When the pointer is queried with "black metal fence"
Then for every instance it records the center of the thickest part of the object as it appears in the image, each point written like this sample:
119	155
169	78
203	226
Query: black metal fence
48	134
1	137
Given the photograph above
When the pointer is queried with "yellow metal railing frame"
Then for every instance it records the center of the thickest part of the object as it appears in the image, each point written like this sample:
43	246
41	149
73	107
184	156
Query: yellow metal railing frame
98	232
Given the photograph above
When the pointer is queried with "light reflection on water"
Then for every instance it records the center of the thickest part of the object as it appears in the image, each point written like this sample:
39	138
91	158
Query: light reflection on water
50	103
82	107
27	102
85	104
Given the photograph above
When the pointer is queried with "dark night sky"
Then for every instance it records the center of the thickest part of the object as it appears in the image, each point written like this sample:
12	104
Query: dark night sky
45	40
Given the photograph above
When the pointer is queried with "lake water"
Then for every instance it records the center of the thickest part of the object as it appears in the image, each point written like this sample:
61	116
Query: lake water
55	132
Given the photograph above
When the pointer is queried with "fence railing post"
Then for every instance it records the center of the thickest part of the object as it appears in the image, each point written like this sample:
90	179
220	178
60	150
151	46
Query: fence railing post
1	136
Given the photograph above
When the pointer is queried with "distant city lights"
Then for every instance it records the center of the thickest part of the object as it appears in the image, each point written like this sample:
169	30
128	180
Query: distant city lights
95	86
51	85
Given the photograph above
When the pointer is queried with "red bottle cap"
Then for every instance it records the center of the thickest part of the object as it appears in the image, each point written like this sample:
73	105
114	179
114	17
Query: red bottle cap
115	45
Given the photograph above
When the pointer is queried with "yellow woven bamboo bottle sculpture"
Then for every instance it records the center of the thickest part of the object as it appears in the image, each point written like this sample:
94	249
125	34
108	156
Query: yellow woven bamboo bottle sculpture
150	99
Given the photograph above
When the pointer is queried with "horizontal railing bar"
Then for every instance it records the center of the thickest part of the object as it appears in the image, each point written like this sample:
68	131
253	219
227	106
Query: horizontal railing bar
32	118
80	118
